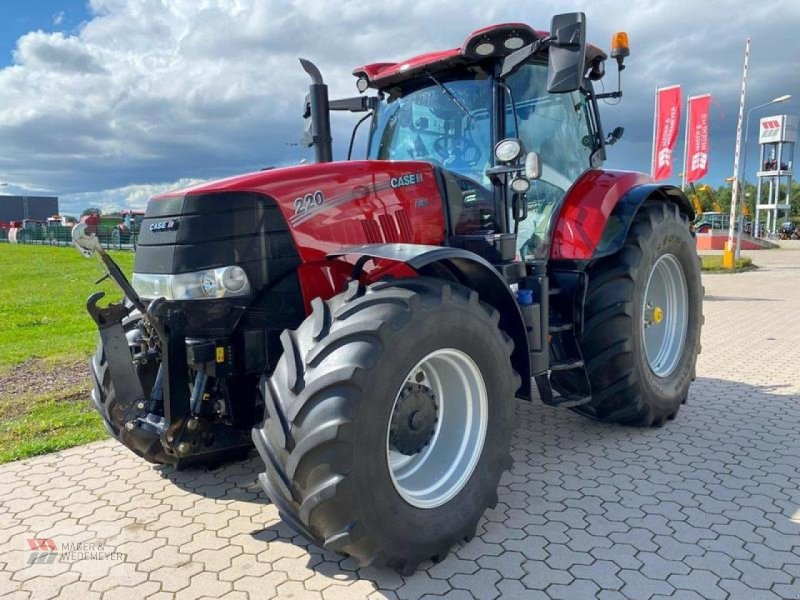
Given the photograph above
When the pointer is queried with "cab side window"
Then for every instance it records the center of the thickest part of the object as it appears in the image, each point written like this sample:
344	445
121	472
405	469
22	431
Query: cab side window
554	125
558	127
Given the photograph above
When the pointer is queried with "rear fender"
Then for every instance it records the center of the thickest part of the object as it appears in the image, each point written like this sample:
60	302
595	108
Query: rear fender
470	270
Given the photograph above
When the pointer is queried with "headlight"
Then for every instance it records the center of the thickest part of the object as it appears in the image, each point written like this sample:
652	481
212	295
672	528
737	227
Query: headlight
225	282
508	150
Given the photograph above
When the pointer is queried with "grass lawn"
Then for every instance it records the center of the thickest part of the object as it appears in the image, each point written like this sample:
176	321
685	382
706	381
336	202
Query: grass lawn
43	292
45	340
36	424
713	264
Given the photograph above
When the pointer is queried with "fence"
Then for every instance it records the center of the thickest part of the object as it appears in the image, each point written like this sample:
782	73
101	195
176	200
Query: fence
111	238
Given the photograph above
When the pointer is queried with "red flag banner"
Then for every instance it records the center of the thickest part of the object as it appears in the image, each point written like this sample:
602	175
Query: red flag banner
665	134
696	166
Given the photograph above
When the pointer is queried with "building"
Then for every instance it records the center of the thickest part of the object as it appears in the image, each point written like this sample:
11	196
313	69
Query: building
17	208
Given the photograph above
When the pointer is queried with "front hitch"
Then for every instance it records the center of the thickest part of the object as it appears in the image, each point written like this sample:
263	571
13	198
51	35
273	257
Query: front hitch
88	244
163	428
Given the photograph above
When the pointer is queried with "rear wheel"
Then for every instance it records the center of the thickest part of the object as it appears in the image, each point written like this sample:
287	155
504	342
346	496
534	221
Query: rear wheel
389	421
643	315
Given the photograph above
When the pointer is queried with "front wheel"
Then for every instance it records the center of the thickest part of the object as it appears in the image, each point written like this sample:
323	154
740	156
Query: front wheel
389	421
643	315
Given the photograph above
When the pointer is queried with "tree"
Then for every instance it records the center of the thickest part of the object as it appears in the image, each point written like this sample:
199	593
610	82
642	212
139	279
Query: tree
91	210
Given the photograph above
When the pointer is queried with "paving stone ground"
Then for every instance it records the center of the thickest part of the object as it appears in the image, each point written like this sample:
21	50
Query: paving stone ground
705	507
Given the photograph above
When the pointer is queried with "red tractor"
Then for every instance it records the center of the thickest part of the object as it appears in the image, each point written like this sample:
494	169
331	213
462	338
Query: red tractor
371	321
127	230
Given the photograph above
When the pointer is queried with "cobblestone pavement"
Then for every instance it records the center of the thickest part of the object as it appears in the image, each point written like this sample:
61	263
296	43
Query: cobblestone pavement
705	507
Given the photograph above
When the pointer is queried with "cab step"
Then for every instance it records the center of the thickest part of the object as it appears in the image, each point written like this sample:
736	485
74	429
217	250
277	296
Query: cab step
570	401
567	365
547	397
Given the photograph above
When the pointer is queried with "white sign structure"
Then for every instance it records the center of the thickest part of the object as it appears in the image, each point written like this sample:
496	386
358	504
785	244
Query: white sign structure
779	128
777	136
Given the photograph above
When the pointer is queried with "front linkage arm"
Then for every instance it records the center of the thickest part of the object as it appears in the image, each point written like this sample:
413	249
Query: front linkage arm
166	427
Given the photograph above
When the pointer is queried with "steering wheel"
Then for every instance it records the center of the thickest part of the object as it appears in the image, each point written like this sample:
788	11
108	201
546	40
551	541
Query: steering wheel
530	246
461	149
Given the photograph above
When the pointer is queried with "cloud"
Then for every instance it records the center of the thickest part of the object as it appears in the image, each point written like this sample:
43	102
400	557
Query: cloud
41	52
130	196
58	18
146	92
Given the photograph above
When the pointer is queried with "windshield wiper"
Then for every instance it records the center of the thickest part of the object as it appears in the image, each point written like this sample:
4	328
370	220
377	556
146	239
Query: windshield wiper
451	96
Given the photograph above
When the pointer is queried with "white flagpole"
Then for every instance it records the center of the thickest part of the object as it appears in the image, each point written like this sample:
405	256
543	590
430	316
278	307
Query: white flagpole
686	143
655	129
730	257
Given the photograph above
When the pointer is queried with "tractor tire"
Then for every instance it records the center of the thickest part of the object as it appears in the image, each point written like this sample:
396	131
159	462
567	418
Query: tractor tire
346	459
104	396
639	370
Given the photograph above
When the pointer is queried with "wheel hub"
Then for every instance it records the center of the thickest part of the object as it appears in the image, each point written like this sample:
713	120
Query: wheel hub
414	419
653	315
665	315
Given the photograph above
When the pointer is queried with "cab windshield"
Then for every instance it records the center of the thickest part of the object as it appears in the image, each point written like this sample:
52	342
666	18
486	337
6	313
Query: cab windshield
446	122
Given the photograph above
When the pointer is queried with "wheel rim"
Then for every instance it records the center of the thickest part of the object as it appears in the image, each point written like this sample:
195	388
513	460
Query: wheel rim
436	473
665	315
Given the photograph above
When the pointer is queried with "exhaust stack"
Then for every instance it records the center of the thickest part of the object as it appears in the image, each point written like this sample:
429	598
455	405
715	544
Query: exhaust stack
317	114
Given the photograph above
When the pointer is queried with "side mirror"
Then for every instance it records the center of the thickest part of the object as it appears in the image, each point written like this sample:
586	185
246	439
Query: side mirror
615	136
567	61
533	166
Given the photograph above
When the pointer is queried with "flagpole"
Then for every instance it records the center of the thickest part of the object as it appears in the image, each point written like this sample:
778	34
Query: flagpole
655	128
686	143
730	257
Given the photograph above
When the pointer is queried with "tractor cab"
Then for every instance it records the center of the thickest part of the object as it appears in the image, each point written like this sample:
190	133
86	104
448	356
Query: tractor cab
508	119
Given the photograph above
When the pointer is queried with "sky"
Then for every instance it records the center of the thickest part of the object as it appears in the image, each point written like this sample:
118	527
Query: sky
107	102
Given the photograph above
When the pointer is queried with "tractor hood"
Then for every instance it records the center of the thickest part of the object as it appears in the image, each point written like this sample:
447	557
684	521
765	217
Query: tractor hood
296	178
325	205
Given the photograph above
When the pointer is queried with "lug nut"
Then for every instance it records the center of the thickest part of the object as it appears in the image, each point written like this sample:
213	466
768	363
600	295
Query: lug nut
130	425
170	438
183	447
192	424
140	406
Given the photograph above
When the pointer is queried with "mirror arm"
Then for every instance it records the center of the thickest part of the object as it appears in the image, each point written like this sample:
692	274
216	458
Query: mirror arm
355	104
618	93
494	173
518	57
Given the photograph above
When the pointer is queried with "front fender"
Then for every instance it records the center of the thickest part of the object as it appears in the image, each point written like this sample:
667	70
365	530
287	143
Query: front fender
598	209
470	270
586	209
620	220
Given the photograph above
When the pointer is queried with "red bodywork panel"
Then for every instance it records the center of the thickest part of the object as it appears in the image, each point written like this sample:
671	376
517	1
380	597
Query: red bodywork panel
383	74
585	211
333	205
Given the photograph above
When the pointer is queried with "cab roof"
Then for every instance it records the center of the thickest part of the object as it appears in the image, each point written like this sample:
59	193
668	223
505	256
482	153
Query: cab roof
504	37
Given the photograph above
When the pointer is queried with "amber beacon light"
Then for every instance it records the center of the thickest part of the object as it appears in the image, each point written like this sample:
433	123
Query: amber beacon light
619	47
